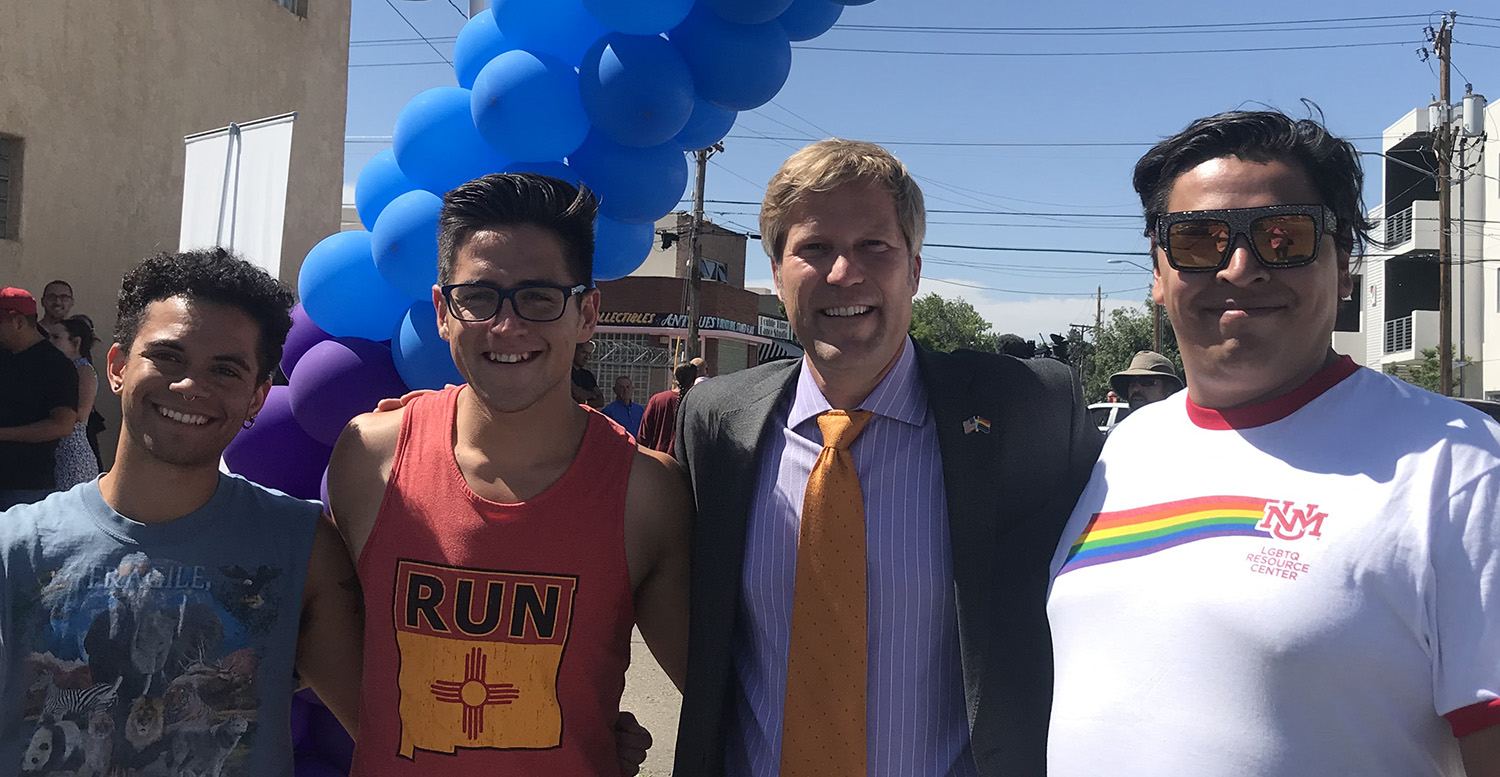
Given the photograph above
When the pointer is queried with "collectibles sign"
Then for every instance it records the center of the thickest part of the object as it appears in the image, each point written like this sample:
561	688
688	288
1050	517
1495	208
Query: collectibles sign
673	321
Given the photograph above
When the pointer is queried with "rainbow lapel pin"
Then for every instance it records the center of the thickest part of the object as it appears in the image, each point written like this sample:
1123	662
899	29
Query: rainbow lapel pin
977	424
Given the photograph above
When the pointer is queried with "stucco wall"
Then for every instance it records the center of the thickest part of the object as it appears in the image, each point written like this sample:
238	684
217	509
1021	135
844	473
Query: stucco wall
102	95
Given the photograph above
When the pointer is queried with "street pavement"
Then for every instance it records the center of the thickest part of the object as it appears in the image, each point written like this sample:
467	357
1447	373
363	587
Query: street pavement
650	695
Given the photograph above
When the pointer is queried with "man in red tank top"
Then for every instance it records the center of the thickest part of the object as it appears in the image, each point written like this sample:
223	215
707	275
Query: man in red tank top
507	538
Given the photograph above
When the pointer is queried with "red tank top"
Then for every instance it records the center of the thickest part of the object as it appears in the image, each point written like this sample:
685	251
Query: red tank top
496	635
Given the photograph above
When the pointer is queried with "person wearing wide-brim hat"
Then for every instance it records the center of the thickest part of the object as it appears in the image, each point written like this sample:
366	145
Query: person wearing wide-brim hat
1150	378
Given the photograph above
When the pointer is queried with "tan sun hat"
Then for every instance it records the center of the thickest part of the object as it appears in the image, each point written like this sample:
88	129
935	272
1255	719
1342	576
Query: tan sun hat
1146	364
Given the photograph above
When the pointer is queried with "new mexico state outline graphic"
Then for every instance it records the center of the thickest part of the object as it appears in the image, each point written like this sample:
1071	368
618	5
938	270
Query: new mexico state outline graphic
479	653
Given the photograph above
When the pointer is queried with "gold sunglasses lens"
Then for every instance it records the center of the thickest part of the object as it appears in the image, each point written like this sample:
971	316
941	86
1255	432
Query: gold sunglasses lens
1289	239
1197	243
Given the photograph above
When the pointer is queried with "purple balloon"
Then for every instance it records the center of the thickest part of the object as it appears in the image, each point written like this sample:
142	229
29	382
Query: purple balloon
276	452
301	711
304	335
310	764
323	492
310	696
330	740
339	379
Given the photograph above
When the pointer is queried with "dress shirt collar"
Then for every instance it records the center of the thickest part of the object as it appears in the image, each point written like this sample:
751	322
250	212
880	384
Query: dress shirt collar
900	396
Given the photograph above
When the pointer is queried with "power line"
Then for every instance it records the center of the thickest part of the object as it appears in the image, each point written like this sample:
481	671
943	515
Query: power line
417	31
1152	27
1174	52
1101	31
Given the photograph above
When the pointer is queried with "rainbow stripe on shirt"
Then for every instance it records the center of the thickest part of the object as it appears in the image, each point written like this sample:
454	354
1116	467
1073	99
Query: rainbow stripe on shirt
1142	531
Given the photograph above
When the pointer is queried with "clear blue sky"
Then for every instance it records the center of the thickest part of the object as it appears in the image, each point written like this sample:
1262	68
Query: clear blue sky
1042	89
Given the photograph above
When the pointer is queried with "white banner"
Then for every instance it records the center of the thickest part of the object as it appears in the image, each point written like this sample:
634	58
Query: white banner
234	189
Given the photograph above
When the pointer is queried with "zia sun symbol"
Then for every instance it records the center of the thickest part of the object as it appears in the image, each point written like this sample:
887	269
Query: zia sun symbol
474	693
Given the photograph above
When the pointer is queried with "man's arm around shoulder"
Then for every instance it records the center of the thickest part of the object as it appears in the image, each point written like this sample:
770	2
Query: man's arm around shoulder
358	472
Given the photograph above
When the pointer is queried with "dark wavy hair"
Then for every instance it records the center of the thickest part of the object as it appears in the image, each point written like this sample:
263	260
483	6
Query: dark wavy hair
209	275
512	199
1331	163
81	327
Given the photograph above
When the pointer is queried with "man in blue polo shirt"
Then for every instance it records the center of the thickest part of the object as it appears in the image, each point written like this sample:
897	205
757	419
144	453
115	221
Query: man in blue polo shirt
623	411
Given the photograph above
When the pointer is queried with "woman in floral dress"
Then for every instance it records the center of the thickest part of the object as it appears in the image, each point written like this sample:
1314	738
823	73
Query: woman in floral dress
75	459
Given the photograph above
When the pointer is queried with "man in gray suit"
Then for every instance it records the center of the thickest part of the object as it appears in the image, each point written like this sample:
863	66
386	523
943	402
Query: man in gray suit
968	465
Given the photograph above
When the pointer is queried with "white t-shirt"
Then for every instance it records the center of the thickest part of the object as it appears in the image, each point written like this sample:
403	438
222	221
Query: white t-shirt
1305	587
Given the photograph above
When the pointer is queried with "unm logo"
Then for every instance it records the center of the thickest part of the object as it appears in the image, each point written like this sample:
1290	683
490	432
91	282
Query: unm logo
1287	522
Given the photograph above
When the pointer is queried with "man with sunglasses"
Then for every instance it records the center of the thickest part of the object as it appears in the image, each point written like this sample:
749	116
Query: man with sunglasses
1149	378
1293	567
506	538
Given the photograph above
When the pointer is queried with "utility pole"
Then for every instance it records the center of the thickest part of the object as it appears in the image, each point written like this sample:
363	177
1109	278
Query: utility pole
1098	312
1442	144
695	258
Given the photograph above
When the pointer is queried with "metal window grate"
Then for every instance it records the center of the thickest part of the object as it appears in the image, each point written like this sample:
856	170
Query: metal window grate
7	153
298	7
1398	335
1398	227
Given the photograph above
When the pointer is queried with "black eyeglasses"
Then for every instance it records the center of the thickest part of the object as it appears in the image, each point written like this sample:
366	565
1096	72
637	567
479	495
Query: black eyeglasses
539	302
1279	235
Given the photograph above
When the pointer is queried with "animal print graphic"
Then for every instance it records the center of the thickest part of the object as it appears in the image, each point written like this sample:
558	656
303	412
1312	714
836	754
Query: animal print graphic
147	667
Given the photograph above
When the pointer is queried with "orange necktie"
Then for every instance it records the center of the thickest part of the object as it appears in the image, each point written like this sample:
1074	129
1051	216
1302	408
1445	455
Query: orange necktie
823	725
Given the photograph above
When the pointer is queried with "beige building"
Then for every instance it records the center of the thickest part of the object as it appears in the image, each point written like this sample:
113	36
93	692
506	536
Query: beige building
95	100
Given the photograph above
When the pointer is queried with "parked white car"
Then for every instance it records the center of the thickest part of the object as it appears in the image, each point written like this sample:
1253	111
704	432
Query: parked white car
1107	414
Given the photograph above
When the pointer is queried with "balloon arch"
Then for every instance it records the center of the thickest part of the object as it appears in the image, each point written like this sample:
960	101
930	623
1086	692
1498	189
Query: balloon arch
610	93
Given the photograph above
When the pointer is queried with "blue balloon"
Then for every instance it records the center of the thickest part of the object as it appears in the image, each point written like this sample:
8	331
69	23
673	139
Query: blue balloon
735	66
708	125
854	2
421	354
528	108
562	28
337	380
342	291
380	181
639	17
748	11
404	243
620	248
436	144
807	19
556	170
636	89
634	185
478	42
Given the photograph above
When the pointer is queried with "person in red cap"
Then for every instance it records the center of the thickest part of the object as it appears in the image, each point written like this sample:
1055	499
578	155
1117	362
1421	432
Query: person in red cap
38	401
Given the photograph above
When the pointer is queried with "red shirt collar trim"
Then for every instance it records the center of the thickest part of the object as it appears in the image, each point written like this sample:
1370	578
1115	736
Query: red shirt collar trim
1272	410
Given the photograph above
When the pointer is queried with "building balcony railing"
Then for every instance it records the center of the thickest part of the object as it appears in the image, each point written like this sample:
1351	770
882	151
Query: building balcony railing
1405	338
1411	229
1398	334
1398	230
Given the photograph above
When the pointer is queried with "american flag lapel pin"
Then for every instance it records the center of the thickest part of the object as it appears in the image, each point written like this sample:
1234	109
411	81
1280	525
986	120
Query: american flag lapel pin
976	424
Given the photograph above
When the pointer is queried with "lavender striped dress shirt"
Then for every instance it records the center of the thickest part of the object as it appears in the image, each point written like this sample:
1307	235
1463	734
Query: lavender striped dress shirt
916	724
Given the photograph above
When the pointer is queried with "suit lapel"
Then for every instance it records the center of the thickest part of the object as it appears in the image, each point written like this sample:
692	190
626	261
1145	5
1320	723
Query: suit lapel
971	480
735	473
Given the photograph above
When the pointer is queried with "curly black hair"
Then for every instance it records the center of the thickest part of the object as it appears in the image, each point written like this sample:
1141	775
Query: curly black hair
211	275
1331	163
510	199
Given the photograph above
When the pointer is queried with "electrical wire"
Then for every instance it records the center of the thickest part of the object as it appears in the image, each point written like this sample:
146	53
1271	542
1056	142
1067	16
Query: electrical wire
417	31
1173	52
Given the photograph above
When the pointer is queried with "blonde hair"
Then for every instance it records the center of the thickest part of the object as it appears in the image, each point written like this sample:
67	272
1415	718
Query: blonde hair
828	164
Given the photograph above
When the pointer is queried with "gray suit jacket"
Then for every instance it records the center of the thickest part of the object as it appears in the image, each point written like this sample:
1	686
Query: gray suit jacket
1009	494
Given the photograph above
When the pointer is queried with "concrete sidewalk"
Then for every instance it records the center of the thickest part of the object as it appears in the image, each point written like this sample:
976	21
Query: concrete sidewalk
650	695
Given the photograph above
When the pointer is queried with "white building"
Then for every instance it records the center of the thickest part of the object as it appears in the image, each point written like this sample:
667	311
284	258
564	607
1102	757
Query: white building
1396	289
